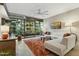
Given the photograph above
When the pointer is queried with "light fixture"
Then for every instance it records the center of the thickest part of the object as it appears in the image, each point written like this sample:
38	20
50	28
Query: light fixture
41	12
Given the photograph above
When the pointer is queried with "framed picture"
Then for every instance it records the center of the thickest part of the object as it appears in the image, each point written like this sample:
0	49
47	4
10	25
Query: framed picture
56	25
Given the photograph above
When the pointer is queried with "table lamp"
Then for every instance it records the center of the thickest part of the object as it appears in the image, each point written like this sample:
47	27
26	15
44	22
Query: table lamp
5	31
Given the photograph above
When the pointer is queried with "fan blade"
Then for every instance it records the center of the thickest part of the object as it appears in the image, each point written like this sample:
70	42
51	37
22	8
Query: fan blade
44	11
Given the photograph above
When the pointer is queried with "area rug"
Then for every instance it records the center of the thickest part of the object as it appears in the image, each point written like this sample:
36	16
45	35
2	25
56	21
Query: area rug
37	47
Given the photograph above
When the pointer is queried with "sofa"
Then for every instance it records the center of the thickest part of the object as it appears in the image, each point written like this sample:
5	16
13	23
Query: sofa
61	47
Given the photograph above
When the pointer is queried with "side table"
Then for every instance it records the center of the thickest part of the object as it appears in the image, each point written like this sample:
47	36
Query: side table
46	37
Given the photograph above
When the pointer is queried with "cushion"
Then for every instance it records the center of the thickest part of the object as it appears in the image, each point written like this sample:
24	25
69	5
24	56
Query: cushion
66	34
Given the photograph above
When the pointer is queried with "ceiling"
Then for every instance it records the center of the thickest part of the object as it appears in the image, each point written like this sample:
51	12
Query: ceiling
29	9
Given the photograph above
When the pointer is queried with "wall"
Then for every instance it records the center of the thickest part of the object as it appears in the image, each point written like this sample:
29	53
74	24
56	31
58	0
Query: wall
68	18
0	20
0	26
3	12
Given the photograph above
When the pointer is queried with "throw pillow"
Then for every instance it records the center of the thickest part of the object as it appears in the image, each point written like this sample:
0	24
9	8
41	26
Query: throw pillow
66	34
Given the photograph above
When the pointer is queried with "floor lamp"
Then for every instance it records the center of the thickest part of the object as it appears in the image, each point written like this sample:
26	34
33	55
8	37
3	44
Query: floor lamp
70	27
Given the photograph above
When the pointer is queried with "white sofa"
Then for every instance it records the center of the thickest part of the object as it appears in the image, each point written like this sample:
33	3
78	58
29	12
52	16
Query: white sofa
61	47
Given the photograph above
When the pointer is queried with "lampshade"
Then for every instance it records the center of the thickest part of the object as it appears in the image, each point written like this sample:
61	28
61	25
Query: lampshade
68	24
4	28
3	13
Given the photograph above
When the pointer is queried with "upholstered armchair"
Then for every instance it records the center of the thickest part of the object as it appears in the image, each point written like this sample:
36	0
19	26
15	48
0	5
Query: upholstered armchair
63	47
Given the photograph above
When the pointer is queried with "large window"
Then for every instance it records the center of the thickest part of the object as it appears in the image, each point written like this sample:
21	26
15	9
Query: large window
33	26
28	26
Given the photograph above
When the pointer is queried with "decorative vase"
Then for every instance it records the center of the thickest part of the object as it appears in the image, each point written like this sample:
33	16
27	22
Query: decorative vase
19	38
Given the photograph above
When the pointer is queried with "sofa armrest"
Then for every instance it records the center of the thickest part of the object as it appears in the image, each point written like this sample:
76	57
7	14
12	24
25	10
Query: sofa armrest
56	44
70	41
55	47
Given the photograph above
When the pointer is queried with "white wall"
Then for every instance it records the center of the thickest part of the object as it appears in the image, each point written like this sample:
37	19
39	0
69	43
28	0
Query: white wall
0	25
0	20
67	18
3	12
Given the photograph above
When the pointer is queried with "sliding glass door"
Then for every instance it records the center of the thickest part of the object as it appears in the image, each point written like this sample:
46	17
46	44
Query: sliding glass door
26	27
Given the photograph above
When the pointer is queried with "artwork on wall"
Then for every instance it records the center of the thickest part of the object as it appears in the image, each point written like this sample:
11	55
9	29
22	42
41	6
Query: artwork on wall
56	25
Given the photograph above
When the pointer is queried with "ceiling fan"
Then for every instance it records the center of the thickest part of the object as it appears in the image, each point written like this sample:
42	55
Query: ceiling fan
41	12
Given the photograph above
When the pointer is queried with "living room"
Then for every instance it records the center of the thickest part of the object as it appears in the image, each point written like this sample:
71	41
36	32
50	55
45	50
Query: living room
41	29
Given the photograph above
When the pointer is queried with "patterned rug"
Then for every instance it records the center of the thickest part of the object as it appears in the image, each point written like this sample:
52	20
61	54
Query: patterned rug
37	47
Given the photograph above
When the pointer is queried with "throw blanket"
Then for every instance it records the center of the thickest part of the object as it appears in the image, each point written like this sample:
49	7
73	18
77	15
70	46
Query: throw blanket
37	47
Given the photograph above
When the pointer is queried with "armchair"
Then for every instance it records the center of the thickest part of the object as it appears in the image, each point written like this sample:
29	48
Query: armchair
63	47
